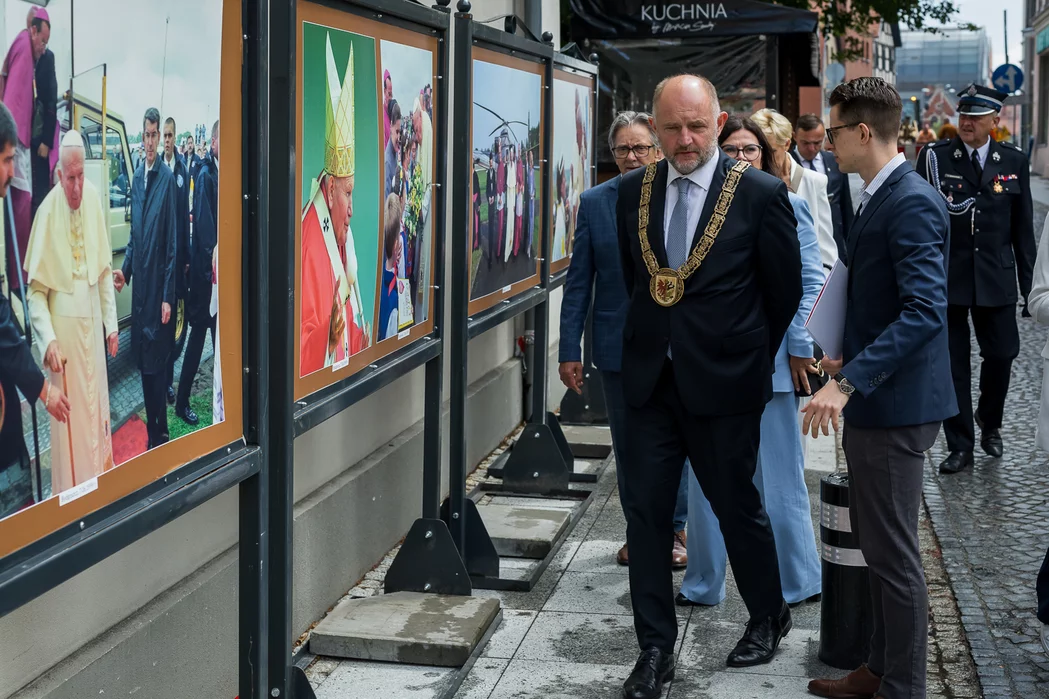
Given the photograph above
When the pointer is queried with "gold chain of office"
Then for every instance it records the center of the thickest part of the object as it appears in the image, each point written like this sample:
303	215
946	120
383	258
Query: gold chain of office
667	285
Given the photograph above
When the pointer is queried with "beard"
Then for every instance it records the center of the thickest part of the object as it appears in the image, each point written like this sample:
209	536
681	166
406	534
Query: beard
687	162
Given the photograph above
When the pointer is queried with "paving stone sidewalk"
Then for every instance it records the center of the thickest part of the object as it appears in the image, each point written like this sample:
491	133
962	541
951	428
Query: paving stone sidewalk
572	636
993	524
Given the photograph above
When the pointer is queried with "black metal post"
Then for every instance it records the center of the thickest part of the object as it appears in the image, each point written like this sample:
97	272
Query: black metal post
276	170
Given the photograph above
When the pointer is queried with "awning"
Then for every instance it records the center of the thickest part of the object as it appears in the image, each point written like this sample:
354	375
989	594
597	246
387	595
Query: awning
640	19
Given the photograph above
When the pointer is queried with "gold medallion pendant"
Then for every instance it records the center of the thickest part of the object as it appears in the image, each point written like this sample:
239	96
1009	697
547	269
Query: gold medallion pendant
667	287
998	189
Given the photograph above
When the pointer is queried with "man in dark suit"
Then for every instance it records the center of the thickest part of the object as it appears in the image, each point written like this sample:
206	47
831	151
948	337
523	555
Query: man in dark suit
597	272
713	272
986	185
895	385
809	135
177	165
45	126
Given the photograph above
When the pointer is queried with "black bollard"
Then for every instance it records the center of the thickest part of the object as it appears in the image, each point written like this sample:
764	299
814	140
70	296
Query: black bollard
846	622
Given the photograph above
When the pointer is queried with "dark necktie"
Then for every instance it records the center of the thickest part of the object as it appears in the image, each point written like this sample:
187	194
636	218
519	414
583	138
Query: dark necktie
976	165
810	165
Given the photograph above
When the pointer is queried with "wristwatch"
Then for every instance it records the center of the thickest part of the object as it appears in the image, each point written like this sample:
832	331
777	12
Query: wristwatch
845	386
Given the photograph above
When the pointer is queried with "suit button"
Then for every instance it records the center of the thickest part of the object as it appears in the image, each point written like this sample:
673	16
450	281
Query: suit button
977	249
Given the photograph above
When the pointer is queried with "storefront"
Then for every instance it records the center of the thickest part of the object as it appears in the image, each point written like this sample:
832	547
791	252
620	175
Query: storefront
756	54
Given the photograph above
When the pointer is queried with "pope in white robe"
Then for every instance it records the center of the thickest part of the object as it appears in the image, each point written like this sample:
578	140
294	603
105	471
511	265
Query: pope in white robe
73	310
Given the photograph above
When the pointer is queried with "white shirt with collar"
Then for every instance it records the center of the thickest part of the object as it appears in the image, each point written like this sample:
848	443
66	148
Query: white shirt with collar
701	178
171	163
982	152
871	188
817	162
147	169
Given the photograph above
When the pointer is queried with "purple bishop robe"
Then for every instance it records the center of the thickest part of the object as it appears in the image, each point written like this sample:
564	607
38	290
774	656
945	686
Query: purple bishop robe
18	85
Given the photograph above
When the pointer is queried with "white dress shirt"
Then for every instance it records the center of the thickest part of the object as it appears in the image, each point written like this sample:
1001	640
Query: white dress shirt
697	197
982	152
871	188
817	162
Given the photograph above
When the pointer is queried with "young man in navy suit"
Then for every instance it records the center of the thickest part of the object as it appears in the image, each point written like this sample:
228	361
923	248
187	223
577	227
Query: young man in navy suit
809	136
893	382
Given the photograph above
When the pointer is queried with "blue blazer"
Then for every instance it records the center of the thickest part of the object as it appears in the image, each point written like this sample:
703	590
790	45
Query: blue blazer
797	342
895	343
596	269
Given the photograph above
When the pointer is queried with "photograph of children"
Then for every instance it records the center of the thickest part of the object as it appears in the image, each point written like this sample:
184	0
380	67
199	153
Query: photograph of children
506	176
573	126
404	286
340	182
107	282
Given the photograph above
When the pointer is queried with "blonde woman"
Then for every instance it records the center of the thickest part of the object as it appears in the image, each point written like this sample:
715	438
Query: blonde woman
808	184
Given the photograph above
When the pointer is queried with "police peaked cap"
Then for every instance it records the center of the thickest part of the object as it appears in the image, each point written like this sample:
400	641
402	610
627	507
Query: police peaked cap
977	100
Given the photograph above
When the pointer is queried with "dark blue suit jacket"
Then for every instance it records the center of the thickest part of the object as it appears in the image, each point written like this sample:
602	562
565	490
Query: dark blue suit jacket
595	256
895	343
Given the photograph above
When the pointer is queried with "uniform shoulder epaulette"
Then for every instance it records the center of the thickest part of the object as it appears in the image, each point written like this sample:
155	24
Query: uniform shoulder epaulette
1010	144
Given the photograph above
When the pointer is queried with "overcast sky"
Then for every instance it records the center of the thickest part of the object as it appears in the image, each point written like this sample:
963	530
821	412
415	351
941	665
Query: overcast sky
988	14
130	38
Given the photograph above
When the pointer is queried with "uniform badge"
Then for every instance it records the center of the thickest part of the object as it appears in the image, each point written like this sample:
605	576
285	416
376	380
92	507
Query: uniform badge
957	154
179	179
971	92
998	188
996	157
950	198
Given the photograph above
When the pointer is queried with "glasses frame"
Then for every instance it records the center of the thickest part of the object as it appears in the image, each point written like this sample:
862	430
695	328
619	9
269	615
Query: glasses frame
633	149
761	151
831	130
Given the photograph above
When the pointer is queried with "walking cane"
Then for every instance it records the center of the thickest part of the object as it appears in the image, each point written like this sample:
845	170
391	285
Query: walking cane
69	423
29	339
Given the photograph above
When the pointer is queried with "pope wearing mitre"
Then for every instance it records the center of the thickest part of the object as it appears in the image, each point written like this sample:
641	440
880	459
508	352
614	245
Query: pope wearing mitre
333	326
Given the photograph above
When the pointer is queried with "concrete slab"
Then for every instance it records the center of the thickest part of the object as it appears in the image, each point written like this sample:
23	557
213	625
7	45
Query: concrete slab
589	442
598	556
522	532
528	679
565	637
512	631
536	503
405	627
379	680
591	593
707	645
484	676
727	685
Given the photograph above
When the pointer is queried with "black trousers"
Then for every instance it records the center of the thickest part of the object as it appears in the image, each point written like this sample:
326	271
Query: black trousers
41	181
191	363
1042	588
724	452
154	392
999	342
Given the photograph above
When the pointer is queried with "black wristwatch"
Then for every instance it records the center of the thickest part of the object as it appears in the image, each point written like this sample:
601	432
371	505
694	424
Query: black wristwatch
845	386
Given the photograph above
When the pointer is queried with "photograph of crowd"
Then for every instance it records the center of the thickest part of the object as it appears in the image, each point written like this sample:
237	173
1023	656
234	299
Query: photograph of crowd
339	261
507	109
407	240
108	283
573	129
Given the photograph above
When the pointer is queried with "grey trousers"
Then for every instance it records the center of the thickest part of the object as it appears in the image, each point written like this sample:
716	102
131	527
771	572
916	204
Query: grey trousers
885	477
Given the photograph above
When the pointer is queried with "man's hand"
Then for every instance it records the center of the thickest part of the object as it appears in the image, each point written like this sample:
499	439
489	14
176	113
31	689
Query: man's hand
118	280
114	343
337	324
53	358
165	313
55	401
43	151
824	408
572	375
831	366
800	368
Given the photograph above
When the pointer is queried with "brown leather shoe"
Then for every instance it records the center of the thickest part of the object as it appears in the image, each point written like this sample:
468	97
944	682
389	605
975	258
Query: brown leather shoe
858	684
679	558
623	558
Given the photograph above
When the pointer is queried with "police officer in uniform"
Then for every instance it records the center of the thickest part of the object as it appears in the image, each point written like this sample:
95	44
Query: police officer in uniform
986	187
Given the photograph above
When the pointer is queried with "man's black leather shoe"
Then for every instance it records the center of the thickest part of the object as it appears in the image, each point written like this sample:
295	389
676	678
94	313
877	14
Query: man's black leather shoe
683	601
956	461
171	395
761	639
990	440
653	668
187	416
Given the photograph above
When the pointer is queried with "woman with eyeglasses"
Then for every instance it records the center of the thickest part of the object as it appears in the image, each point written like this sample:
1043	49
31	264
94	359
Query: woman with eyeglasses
809	184
780	474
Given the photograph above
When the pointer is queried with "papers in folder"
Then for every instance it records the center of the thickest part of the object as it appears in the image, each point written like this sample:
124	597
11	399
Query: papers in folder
826	322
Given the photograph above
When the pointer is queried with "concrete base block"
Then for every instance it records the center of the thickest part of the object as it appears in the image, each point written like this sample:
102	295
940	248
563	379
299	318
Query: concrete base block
523	532
406	627
588	442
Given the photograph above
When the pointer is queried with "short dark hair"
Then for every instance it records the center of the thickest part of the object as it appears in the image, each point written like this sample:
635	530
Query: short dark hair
734	124
394	110
214	129
8	128
870	101
152	116
39	22
392	226
170	120
808	122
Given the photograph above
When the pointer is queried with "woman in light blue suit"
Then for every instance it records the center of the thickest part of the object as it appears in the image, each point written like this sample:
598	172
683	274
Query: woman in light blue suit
780	474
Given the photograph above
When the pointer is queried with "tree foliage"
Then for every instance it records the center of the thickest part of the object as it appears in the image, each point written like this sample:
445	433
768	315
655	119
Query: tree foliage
851	20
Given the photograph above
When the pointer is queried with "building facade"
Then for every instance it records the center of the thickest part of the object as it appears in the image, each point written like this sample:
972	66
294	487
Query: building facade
1036	84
